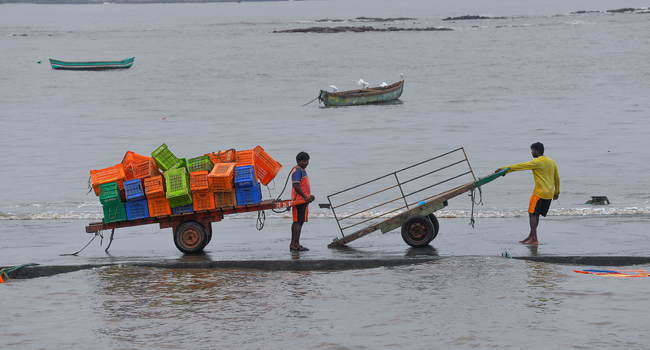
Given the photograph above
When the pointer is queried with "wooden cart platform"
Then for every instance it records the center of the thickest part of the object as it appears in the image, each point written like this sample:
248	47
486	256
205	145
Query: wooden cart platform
192	230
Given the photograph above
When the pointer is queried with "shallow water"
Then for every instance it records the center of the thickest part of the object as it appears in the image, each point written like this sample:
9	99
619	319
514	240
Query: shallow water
453	303
209	77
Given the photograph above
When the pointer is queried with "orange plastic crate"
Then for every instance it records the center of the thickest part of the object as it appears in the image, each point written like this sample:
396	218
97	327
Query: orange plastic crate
159	206
266	168
225	199
227	156
154	186
203	200
245	158
143	170
222	177
115	173
199	181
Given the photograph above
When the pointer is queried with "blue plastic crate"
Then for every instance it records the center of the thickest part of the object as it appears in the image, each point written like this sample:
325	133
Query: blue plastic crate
245	176
249	195
137	210
133	190
183	209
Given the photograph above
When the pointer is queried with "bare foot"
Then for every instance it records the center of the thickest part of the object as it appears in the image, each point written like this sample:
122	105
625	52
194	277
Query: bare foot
529	241
525	240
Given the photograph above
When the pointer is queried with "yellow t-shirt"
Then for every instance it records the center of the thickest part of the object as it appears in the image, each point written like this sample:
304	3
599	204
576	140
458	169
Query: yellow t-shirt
545	173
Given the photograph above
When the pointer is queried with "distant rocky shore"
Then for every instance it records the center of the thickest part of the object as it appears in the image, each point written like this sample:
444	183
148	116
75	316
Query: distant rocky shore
367	19
470	17
358	29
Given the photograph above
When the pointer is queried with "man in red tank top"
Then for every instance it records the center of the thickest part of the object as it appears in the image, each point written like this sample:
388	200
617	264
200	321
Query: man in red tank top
300	191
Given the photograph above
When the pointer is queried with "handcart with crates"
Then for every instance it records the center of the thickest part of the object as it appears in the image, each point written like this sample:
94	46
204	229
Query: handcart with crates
186	195
406	198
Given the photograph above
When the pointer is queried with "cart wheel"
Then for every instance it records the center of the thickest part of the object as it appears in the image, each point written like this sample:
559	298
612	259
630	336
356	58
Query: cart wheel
418	231
190	237
436	225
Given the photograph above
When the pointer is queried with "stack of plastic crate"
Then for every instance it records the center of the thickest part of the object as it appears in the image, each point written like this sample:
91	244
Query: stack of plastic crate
110	196
136	202
178	190
157	201
221	181
247	188
202	196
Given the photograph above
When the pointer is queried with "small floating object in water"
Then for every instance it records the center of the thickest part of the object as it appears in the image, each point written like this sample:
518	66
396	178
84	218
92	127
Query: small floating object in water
615	273
506	255
324	205
598	200
39	62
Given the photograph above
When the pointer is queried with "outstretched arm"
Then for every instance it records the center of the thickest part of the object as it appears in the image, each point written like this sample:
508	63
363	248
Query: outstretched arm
557	184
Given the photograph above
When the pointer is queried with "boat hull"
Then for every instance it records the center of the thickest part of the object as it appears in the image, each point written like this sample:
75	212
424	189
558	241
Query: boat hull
100	65
361	97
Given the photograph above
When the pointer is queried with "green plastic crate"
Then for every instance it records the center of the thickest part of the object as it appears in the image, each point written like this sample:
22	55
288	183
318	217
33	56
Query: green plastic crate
114	213
182	163
164	158
178	183
199	164
180	201
109	193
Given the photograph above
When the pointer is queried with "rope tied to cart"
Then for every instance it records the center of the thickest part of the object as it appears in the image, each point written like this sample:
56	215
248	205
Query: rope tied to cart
97	233
7	270
473	196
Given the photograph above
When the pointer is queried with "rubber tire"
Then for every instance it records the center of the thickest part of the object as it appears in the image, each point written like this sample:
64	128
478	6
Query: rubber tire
418	231
436	225
190	237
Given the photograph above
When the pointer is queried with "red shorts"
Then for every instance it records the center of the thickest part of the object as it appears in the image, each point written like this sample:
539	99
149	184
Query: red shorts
300	212
539	205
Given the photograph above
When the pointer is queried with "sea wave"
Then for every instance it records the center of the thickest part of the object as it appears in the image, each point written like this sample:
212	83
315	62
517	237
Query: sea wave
446	214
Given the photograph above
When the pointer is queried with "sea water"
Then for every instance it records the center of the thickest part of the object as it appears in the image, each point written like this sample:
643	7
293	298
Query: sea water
209	77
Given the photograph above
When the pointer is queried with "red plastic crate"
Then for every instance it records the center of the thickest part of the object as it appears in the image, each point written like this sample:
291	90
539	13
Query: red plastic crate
154	186
227	156
266	168
222	177
159	206
203	200
225	199
115	173
199	181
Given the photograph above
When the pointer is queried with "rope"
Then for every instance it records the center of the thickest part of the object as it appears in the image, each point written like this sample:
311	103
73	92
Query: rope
311	101
280	195
261	217
90	184
473	196
7	270
98	233
219	154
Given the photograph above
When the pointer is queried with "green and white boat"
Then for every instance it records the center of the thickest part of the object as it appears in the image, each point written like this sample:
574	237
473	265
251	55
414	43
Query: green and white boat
364	96
100	65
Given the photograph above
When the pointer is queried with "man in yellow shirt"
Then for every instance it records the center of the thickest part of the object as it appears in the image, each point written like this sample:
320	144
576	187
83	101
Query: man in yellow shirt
547	187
